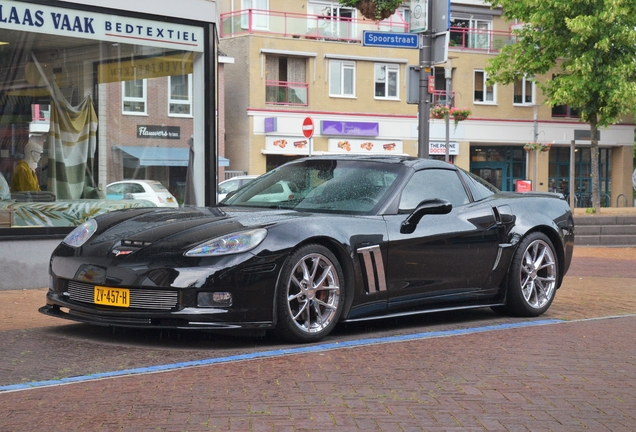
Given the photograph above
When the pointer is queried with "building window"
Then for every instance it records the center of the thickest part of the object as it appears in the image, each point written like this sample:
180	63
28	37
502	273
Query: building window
484	92
286	80
470	32
387	77
565	111
134	96
180	97
523	91
342	78
255	14
331	20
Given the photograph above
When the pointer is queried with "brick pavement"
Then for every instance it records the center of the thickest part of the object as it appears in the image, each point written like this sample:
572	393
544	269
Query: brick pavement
572	376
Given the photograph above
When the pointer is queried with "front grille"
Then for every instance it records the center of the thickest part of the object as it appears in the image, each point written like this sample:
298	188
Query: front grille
158	299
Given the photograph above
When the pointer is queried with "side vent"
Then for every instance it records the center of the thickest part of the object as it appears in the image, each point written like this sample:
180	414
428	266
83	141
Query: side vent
374	268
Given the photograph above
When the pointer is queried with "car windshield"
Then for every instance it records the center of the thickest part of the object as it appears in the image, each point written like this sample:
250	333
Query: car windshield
349	186
158	187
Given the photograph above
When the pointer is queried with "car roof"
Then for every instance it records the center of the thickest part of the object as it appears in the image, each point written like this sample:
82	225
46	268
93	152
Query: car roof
135	181
241	177
410	161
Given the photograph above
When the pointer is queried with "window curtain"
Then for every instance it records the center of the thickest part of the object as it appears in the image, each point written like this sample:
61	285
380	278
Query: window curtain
297	70
272	74
72	145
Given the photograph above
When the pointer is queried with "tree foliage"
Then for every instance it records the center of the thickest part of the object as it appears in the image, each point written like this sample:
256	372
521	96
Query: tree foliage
590	48
374	9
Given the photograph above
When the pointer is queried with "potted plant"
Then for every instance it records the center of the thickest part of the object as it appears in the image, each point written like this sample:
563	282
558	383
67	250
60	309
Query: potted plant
539	147
439	111
459	114
374	9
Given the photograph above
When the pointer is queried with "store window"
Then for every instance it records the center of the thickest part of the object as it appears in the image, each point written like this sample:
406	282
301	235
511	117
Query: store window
66	129
134	97
559	174
342	78
485	92
387	77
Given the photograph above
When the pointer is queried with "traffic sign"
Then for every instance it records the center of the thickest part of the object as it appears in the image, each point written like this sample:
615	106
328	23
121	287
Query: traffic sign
419	16
308	127
389	39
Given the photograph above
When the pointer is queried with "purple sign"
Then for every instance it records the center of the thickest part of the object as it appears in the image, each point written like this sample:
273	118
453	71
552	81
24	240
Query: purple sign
270	124
331	127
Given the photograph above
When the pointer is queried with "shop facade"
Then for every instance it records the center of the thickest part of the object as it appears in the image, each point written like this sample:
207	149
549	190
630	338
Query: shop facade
95	92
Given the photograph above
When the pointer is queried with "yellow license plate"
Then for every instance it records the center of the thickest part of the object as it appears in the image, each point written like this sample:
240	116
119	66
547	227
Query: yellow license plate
112	296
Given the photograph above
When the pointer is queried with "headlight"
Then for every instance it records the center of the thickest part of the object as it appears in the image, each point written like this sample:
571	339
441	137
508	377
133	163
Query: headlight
229	244
81	234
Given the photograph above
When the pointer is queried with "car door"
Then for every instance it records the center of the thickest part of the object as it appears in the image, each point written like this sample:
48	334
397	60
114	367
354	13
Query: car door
448	256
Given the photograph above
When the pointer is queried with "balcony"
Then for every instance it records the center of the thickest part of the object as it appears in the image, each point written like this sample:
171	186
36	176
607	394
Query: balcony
320	27
255	21
286	93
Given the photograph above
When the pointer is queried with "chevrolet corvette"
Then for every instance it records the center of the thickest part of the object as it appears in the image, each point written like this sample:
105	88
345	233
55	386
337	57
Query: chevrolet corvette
316	242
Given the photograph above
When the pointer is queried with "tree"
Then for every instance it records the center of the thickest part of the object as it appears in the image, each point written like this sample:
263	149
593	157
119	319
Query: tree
588	45
374	9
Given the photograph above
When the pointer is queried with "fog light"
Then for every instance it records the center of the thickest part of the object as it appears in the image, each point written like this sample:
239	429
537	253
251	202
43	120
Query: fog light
214	299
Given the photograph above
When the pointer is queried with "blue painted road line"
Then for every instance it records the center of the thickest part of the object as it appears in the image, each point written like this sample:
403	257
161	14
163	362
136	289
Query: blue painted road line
274	353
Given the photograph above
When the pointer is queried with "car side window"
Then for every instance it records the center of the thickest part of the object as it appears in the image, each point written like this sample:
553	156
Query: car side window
136	188
433	183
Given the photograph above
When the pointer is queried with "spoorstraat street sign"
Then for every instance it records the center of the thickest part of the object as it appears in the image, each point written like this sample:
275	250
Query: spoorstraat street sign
389	39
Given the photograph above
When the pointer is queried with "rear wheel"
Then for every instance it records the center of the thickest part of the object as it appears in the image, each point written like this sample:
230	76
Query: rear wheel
310	296
532	280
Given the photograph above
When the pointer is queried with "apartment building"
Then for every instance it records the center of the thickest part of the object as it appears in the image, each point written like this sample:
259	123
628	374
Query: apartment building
299	59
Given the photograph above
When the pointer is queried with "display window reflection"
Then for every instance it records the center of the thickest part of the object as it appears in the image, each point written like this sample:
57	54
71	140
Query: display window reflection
66	129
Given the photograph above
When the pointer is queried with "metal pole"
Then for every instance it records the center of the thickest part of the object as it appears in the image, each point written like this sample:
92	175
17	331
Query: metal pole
572	168
448	71
536	136
424	105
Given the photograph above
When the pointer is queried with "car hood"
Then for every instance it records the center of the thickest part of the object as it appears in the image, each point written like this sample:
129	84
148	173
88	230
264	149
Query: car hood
174	229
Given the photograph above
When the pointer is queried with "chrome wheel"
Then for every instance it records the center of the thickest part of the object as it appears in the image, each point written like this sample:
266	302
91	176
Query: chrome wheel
313	293
538	273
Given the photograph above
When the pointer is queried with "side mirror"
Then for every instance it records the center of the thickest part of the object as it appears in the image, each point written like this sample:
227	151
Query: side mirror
430	206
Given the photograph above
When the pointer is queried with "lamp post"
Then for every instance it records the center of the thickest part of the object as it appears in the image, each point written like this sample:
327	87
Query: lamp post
448	73
535	110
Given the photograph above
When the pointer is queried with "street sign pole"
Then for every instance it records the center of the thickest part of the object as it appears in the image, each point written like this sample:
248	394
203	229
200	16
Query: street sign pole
424	106
308	132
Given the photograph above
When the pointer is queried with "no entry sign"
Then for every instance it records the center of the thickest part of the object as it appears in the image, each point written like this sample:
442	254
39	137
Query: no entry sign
308	127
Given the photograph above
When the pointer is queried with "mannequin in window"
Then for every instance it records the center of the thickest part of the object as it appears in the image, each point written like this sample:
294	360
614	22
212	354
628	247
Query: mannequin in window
24	178
5	193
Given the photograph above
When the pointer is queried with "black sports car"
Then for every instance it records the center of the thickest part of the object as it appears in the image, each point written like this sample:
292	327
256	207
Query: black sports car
315	242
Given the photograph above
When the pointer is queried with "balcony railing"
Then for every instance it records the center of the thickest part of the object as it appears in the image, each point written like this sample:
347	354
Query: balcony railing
286	93
474	39
256	21
439	98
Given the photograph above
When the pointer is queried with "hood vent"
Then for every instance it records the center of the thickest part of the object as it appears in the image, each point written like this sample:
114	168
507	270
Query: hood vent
127	247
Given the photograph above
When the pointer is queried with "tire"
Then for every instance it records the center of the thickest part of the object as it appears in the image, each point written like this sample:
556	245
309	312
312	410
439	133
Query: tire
533	275
310	297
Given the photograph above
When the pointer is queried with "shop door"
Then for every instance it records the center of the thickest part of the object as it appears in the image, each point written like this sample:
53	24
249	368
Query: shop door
499	165
493	172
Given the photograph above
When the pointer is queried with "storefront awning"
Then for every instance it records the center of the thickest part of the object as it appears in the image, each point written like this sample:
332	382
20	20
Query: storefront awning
163	156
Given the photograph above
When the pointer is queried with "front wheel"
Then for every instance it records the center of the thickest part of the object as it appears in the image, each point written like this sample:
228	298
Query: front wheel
310	297
532	280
